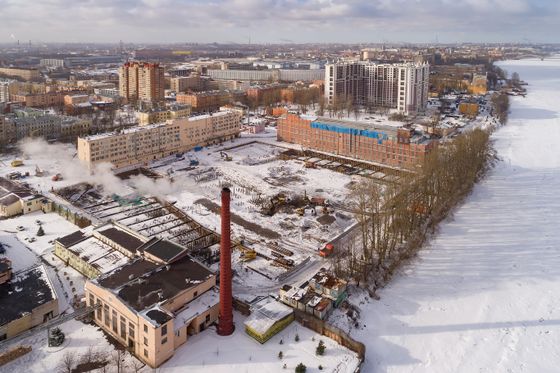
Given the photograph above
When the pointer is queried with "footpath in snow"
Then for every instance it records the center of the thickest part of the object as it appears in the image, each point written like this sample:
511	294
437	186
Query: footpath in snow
485	295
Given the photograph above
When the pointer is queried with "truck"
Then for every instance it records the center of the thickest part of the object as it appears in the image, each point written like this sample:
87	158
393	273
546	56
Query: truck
327	250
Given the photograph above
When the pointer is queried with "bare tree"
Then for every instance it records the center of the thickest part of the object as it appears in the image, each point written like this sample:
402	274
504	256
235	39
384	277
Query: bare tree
67	363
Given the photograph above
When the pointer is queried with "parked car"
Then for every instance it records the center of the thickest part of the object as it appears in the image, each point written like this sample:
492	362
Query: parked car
20	228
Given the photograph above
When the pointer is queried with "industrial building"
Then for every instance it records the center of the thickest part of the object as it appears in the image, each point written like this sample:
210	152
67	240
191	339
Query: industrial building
281	75
27	300
387	145
143	144
403	87
94	252
142	81
153	308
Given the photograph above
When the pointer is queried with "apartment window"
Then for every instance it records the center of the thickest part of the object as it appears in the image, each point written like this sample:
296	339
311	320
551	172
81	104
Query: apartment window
91	300
145	328
207	318
145	353
164	330
164	341
195	294
145	341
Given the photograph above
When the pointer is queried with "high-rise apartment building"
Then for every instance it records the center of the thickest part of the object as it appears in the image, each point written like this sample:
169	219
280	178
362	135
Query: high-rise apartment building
401	86
141	81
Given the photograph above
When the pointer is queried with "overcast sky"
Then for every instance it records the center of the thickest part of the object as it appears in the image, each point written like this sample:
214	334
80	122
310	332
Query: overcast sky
277	21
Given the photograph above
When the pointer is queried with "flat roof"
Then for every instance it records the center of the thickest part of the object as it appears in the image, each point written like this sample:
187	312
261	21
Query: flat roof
266	313
25	292
196	307
72	238
163	249
122	238
141	284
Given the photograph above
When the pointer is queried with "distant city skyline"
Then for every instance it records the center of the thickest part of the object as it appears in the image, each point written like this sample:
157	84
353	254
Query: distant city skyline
280	21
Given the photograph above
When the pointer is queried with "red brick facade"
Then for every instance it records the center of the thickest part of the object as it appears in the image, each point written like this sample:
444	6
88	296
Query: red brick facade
392	152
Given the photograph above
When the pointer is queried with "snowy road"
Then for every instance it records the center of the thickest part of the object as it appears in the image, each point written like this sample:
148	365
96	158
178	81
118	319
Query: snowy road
485	296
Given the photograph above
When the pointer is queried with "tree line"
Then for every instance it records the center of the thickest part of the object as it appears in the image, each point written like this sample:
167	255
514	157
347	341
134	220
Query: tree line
394	220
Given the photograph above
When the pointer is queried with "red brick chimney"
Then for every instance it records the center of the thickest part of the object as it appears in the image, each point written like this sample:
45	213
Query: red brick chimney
225	319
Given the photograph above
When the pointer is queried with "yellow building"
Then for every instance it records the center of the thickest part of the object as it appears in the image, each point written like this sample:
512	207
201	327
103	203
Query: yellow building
20	72
16	199
162	115
141	145
28	300
268	317
151	308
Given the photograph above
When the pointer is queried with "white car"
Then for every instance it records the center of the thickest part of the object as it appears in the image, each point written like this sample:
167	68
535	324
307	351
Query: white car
31	239
20	228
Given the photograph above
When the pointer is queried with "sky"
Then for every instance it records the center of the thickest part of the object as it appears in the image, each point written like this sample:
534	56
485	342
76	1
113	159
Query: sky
280	21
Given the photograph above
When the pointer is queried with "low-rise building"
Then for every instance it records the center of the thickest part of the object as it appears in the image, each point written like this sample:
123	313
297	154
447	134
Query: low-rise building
5	270
20	72
16	199
205	101
94	252
40	100
153	308
38	123
318	296
162	115
268	317
76	99
26	301
144	144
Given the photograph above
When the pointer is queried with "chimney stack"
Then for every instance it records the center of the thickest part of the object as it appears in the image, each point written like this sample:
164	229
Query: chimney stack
225	319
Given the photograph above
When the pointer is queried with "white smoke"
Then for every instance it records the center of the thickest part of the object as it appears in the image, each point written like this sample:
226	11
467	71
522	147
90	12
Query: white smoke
61	158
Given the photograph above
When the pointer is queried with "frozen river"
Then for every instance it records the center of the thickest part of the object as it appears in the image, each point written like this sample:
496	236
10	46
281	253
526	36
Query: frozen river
485	295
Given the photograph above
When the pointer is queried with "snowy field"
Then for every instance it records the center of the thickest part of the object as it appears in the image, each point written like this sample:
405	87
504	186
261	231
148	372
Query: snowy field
208	352
484	296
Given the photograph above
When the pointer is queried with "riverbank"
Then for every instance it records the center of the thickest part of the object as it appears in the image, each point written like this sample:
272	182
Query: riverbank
481	297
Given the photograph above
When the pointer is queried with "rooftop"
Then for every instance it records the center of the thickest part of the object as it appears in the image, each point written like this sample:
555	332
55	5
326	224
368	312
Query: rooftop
164	250
122	238
25	292
196	307
141	284
266	313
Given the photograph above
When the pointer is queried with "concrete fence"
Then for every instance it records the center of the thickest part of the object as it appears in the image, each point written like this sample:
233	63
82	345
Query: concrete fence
334	333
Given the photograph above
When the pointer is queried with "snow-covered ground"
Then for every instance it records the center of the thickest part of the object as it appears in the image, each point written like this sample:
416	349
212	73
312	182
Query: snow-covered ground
208	352
483	297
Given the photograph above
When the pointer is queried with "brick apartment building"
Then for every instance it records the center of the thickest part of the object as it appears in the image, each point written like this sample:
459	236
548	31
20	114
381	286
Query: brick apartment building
391	146
142	81
201	102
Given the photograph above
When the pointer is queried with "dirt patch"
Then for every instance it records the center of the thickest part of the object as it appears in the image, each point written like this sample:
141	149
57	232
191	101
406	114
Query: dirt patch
89	366
253	227
326	219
